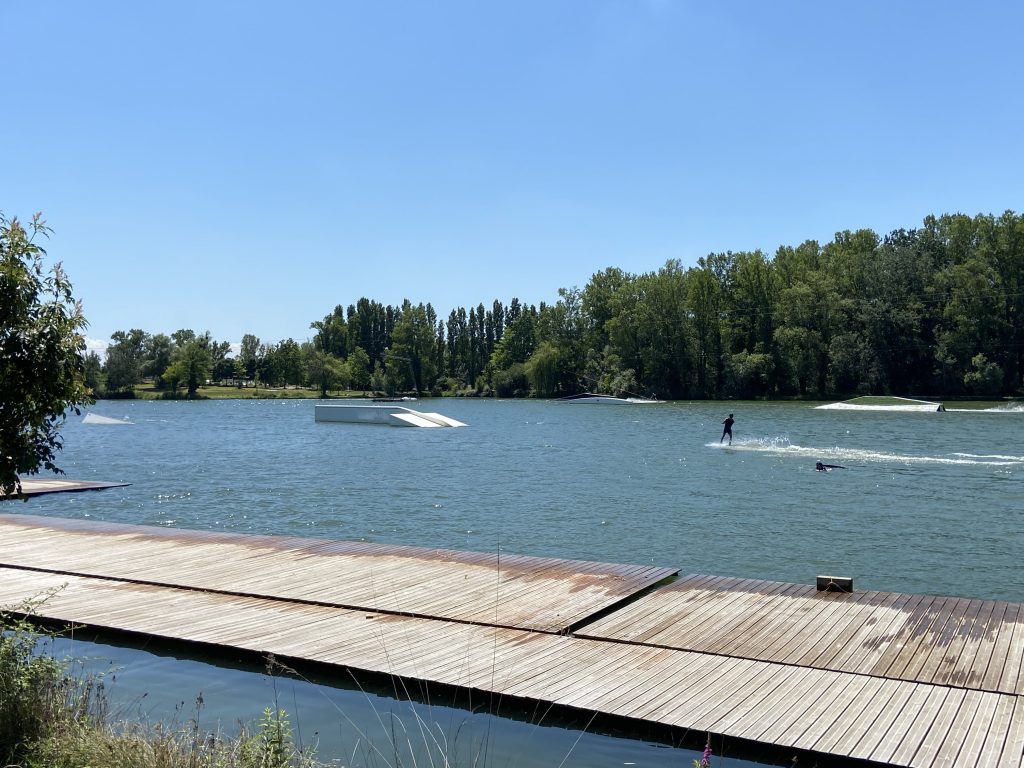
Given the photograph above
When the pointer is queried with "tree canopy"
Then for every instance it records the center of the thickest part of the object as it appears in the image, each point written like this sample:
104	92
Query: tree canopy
936	310
42	361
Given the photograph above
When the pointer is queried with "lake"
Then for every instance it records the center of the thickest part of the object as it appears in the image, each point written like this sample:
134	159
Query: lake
926	502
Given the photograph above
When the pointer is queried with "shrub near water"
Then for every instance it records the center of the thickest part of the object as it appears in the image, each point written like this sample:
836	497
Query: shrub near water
28	683
50	718
37	697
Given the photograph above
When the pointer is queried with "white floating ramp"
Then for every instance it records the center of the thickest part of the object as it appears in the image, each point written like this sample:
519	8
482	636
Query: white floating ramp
389	415
95	418
590	397
883	404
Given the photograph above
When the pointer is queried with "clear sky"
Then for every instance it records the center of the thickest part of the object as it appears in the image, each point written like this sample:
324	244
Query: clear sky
243	167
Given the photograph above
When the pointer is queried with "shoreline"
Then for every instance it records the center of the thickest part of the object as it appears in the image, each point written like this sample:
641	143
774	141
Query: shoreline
217	392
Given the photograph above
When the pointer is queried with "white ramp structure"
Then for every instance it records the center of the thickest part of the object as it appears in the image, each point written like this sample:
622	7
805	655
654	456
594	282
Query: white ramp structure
884	404
389	415
95	418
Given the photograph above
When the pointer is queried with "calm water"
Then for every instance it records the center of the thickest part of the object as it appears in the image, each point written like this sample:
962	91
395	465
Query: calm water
928	502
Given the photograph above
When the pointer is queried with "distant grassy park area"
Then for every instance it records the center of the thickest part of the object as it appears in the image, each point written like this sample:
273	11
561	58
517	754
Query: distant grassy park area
228	392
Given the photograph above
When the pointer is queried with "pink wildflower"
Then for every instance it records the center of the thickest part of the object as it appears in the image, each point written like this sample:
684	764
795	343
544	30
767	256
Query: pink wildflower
705	761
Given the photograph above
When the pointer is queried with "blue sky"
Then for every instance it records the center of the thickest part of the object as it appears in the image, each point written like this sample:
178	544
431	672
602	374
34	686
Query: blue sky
243	167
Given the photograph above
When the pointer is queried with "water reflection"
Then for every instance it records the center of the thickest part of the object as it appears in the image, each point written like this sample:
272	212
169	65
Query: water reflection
368	721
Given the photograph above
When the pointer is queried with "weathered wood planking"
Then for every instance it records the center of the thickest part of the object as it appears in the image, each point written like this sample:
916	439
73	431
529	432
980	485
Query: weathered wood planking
906	679
38	487
507	590
962	643
827	712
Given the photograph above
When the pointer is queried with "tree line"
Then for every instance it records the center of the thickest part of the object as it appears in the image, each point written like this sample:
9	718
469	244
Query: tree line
936	310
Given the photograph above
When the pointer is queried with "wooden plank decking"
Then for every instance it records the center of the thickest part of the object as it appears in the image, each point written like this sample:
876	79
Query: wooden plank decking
785	689
975	644
510	590
38	487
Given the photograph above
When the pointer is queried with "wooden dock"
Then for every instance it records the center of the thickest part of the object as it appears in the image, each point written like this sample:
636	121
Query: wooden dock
971	644
535	593
882	677
40	486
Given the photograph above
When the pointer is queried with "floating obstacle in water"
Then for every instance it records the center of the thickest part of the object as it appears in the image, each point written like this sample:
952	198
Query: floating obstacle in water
883	404
388	415
95	418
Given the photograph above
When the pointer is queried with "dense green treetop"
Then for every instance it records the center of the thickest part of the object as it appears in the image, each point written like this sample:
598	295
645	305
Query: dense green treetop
936	310
42	360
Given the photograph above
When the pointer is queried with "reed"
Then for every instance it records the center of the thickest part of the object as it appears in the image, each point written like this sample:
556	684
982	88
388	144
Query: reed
53	718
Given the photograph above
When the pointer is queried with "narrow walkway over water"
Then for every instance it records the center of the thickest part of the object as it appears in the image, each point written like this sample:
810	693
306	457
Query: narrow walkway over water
536	593
37	487
956	642
891	678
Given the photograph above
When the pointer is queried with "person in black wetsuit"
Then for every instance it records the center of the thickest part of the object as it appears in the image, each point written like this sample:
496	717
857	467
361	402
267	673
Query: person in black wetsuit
826	467
728	429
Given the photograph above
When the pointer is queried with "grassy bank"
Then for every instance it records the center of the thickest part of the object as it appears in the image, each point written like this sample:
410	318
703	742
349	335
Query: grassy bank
49	718
149	392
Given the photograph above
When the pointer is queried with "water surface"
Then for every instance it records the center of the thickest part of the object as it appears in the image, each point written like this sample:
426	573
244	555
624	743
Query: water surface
928	502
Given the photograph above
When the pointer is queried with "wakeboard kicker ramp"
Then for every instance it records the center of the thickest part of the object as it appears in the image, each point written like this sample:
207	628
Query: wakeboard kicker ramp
387	415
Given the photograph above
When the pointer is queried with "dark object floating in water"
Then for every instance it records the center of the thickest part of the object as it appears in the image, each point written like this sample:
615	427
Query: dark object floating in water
826	467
